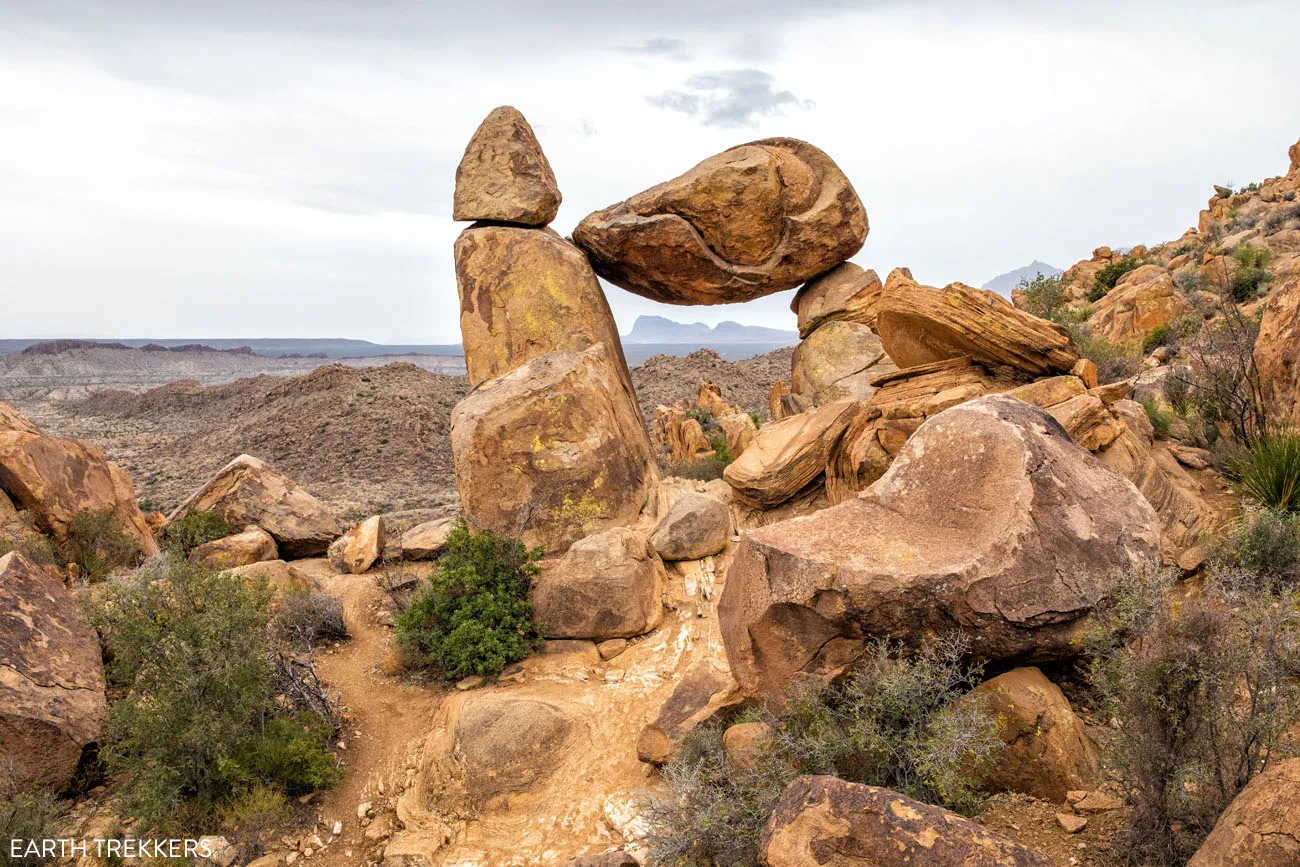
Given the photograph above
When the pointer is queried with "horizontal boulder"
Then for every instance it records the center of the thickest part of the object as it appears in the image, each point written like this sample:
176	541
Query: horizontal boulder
253	545
428	540
786	457
696	526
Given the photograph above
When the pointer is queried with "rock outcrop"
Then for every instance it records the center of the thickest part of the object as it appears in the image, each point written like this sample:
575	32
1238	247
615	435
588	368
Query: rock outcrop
1143	300
704	691
51	679
839	360
508	744
504	176
1275	348
359	548
788	456
756	219
696	526
248	491
1261	827
555	448
846	293
825	820
253	545
609	585
989	520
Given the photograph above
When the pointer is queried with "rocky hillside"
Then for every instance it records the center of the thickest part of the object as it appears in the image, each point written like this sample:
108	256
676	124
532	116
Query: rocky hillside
667	379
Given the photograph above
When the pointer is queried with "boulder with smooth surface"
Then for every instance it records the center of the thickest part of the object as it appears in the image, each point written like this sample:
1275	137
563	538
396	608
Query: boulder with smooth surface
696	526
504	175
359	548
253	545
510	743
1261	827
428	540
845	293
609	585
786	457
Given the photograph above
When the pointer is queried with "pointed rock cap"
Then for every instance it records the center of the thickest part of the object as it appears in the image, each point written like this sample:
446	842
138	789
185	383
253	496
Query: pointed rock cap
504	176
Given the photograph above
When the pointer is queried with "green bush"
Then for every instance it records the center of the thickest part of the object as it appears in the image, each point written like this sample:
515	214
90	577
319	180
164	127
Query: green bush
1160	420
1265	545
705	469
472	616
98	544
197	721
1251	272
194	529
1044	296
1108	275
1269	471
757	418
1161	335
27	816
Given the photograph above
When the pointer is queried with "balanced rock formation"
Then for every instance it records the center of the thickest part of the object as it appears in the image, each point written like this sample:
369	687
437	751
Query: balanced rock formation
921	325
248	491
989	520
756	219
788	456
556	449
696	526
1261	827
51	678
846	293
523	293
825	820
57	478
359	548
253	545
504	176
839	360
1047	752
609	585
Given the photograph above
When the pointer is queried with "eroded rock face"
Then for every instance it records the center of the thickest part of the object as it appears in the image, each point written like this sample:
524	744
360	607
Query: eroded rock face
922	325
508	744
1275	348
248	491
253	545
609	585
1261	827
825	820
359	548
845	293
837	361
13	420
1047	752
51	679
524	293
556	447
55	478
989	520
785	458
428	540
1144	299
696	526
756	219
699	696
504	175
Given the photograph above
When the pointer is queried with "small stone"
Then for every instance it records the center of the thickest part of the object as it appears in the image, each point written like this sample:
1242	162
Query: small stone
338	829
1074	796
1071	823
291	858
474	681
363	809
612	648
1098	802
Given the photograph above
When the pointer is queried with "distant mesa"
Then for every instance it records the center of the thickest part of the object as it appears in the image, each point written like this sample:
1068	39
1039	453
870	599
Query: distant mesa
1004	283
658	329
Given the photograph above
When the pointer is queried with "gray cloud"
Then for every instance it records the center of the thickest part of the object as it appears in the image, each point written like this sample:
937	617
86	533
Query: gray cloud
731	98
662	46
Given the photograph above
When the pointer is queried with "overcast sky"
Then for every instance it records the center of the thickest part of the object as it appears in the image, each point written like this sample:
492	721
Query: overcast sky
174	168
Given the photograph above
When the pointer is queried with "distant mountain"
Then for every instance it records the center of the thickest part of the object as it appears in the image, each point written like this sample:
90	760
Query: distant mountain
1004	283
657	329
305	347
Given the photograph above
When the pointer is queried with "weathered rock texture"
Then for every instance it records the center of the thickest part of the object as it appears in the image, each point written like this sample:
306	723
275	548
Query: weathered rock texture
556	448
428	540
609	585
845	293
989	520
839	360
696	526
788	456
504	175
1275	348
253	545
248	491
508	744
359	548
825	821
756	219
1261	827
51	679
705	690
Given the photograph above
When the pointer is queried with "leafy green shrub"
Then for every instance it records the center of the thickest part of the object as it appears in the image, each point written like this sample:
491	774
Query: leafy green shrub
254	811
1251	272
1108	275
194	529
1269	471
1160	420
27	816
98	544
472	615
1044	296
895	722
1266	545
1200	694
757	418
196	724
1161	335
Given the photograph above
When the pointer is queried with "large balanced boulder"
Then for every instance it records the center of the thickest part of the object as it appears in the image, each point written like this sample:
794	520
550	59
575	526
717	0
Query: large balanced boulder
523	293
922	324
556	449
1047	753
1261	827
504	175
51	678
57	478
609	585
253	545
989	520
838	360
248	491
785	458
756	219
696	526
845	293
825	821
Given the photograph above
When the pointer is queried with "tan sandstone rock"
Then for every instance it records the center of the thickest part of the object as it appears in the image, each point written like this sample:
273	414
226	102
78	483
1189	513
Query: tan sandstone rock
844	293
825	820
508	744
504	175
1261	827
359	548
837	361
428	540
51	679
609	585
1140	303
248	491
756	219
990	520
253	545
706	689
1275	348
788	456
13	420
286	578
696	526
556	448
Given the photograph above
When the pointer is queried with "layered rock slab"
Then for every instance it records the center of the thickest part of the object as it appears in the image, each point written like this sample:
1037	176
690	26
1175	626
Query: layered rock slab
989	520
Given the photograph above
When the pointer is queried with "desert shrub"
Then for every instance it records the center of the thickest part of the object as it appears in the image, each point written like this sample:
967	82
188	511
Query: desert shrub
757	418
896	721
1269	471
705	469
98	544
1160	420
1251	272
1177	394
472	615
1189	280
705	418
26	816
1108	275
254	811
1199	695
1044	296
38	549
1114	362
1223	384
192	652
1161	335
194	529
1265	545
1283	216
304	616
